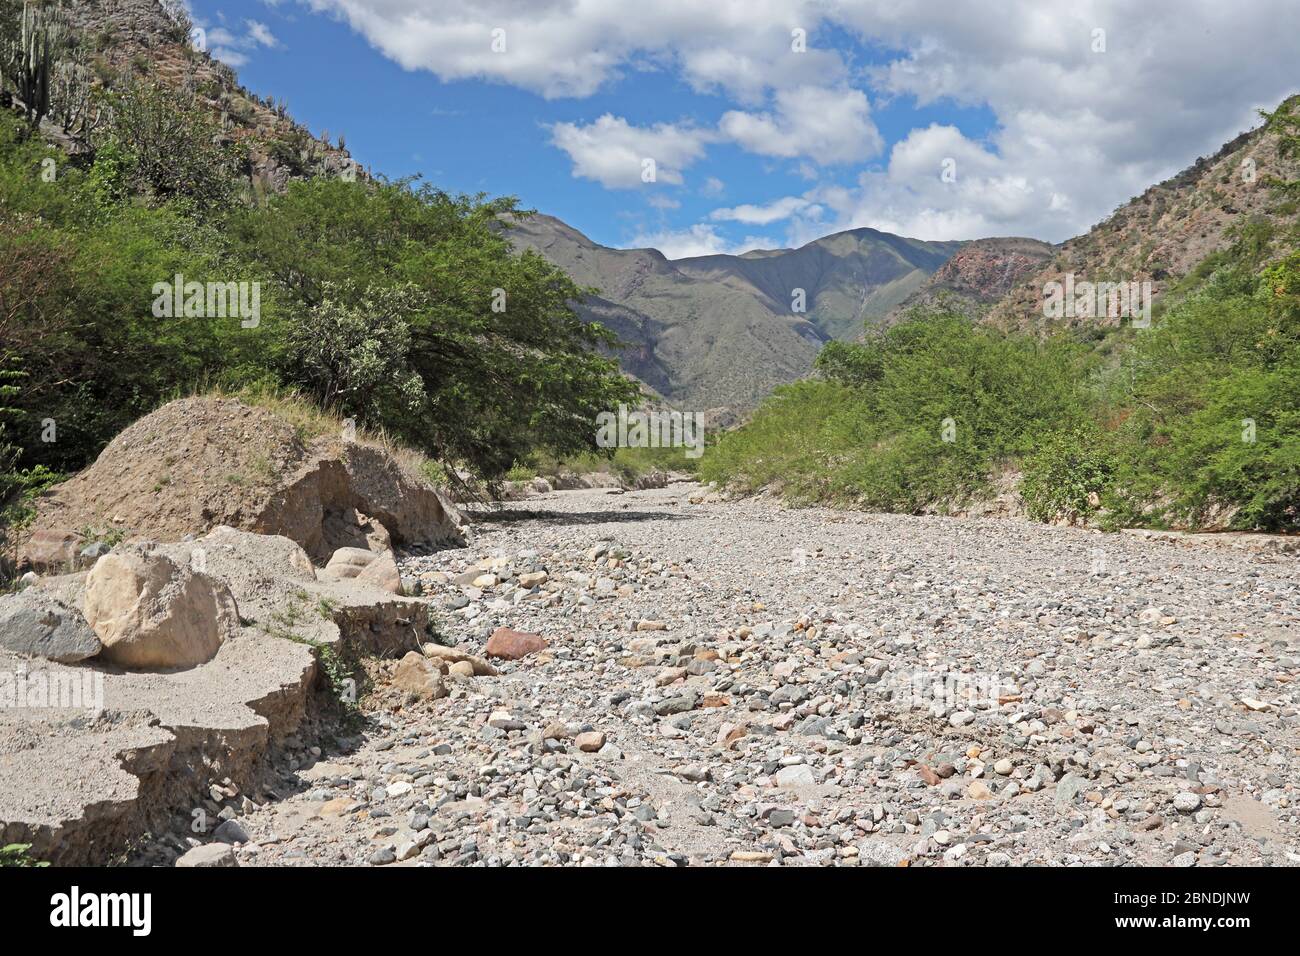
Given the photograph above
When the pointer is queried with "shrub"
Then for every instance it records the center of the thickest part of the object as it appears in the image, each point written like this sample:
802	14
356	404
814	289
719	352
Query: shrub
1067	473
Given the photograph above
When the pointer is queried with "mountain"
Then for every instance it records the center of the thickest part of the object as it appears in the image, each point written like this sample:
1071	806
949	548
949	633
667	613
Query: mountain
1164	234
718	333
977	277
849	277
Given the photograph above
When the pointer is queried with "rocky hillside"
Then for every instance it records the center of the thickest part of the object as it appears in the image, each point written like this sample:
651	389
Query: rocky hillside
1163	234
122	40
700	342
718	332
978	276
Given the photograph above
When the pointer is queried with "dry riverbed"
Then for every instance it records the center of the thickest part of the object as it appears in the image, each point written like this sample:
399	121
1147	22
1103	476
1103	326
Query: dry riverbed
738	683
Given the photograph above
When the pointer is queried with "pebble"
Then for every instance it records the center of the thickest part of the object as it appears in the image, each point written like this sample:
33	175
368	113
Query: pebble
929	691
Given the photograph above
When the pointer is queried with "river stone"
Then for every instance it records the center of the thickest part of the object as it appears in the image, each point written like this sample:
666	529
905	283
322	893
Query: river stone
208	856
37	624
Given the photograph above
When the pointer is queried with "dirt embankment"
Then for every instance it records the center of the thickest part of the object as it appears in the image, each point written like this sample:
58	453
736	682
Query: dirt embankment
104	747
198	463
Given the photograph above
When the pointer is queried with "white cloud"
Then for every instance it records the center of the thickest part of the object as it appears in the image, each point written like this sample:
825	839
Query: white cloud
1078	132
574	47
827	125
713	186
765	215
701	239
618	155
1075	132
260	34
232	48
229	57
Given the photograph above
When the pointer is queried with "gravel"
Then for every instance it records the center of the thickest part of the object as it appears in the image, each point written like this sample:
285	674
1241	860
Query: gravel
736	683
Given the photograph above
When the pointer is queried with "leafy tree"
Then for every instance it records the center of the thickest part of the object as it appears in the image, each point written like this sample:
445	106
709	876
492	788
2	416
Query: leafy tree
918	414
160	143
506	364
356	358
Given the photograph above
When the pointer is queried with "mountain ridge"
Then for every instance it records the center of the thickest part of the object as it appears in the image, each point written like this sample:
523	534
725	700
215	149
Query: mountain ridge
719	332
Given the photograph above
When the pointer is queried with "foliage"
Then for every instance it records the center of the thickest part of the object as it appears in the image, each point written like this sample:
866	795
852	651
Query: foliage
353	350
18	855
505	363
1066	474
377	302
159	143
917	415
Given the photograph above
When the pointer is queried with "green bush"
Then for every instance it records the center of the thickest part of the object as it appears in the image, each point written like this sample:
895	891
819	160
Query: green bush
917	416
1193	423
1067	474
379	300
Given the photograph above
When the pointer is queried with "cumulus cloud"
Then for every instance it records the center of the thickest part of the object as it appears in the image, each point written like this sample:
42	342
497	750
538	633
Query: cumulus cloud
574	47
701	239
618	155
1091	101
260	34
765	215
828	125
233	47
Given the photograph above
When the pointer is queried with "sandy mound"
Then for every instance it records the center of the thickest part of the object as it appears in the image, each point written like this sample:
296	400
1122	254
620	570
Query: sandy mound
198	463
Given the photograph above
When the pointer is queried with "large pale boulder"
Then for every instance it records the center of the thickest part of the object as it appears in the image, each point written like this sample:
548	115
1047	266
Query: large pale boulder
454	655
151	613
367	567
346	563
33	622
382	573
229	463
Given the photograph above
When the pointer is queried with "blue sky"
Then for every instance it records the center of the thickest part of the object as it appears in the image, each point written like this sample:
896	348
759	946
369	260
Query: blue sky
1044	124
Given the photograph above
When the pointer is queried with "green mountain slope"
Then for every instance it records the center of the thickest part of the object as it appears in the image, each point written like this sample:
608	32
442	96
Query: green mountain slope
714	332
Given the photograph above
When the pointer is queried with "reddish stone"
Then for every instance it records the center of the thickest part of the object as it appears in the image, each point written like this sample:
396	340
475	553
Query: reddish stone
55	551
512	645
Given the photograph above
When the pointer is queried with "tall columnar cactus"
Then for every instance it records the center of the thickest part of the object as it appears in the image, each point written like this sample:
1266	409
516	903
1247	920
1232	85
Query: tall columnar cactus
31	54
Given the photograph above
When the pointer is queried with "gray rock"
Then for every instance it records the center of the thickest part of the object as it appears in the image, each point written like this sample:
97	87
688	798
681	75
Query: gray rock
93	552
231	832
1069	787
876	852
35	623
207	856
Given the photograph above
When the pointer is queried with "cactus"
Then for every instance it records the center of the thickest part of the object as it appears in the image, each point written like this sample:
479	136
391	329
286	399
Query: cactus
30	57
